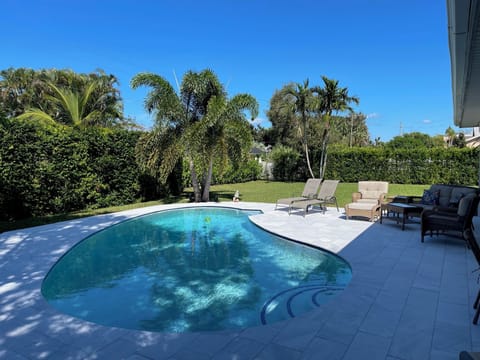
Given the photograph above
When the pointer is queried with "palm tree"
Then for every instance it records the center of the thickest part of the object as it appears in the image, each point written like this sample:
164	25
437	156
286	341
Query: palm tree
450	133
331	99
199	124
71	108
62	96
302	106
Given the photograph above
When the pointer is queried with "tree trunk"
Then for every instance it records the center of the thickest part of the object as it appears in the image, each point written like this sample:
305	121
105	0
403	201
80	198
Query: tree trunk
196	186
308	161
305	143
207	182
323	162
323	156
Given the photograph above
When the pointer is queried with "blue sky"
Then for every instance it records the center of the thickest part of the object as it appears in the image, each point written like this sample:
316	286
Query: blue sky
393	55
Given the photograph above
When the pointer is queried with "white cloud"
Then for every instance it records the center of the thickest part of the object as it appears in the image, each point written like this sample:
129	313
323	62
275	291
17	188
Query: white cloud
427	121
373	116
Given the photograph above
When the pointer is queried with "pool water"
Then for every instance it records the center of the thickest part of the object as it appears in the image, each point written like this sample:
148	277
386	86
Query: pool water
192	269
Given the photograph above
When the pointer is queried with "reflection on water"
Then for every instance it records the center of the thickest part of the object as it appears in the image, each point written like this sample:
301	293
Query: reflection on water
185	270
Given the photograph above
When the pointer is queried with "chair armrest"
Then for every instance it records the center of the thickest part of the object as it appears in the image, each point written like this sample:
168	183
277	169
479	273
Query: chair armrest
425	213
382	198
356	196
415	199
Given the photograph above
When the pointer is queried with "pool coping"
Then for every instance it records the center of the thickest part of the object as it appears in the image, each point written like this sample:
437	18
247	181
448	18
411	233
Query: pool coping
33	329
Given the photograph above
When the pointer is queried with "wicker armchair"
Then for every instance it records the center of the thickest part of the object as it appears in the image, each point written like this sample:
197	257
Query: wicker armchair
370	192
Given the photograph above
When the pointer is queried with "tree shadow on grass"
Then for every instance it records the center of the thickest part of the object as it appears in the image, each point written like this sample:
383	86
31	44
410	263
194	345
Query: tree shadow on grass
215	196
49	219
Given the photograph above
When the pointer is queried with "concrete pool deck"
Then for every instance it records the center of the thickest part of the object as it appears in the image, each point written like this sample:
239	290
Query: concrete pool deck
406	300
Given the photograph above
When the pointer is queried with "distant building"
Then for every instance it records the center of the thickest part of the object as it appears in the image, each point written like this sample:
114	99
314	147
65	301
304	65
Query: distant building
473	140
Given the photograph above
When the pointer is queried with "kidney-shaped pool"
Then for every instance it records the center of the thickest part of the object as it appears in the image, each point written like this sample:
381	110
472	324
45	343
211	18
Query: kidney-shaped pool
192	269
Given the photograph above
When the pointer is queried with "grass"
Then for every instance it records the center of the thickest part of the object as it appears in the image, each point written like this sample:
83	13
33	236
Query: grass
270	191
254	191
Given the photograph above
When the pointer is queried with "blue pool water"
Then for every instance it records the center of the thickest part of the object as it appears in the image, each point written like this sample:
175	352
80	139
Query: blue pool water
193	269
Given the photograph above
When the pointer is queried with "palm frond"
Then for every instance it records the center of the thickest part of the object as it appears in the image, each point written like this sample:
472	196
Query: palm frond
36	115
161	99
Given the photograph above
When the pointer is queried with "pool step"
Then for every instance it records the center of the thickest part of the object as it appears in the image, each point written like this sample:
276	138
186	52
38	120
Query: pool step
296	301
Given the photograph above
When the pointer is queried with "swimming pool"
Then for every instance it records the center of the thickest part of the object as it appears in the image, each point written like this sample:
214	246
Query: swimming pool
192	269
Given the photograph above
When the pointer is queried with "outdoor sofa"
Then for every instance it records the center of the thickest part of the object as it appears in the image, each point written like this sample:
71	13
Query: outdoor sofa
443	196
447	209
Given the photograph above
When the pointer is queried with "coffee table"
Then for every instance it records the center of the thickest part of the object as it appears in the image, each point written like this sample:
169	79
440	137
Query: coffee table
395	209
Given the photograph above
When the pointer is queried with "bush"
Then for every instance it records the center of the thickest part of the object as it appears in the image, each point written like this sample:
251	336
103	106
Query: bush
418	166
285	164
247	171
55	170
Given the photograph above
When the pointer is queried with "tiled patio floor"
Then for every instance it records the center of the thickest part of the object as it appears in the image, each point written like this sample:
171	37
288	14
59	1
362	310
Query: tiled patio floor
406	300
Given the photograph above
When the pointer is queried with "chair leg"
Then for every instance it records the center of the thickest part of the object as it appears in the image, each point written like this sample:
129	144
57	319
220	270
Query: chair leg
475	306
477	300
475	318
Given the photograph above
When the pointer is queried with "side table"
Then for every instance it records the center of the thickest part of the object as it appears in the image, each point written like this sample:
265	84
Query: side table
393	210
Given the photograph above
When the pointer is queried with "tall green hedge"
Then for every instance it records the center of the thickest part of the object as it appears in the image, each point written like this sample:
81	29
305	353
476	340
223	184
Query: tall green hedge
416	166
54	170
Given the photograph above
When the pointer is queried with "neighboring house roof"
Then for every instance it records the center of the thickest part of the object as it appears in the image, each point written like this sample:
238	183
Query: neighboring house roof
464	43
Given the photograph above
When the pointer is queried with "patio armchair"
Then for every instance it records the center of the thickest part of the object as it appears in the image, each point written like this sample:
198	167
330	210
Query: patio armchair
448	220
309	191
370	192
367	200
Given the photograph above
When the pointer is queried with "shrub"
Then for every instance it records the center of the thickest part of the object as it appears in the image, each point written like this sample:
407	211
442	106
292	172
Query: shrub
285	163
50	170
417	166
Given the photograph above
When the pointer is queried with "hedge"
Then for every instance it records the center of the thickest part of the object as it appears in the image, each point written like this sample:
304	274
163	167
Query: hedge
54	170
416	166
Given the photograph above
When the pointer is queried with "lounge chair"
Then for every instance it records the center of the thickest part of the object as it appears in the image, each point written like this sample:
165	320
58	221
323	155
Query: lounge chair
326	195
309	191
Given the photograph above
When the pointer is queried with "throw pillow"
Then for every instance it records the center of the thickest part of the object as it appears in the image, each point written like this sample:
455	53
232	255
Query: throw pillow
430	197
456	199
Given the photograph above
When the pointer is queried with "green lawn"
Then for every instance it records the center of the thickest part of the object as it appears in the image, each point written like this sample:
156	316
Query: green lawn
270	191
255	191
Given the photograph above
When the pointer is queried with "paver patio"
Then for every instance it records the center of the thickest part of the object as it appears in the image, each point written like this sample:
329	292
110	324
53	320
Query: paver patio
406	300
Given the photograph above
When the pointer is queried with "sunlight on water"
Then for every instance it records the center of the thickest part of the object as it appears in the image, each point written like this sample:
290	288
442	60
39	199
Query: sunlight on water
192	269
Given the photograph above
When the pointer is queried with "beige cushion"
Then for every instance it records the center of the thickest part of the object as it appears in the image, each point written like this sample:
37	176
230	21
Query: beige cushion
362	206
368	201
372	190
370	194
